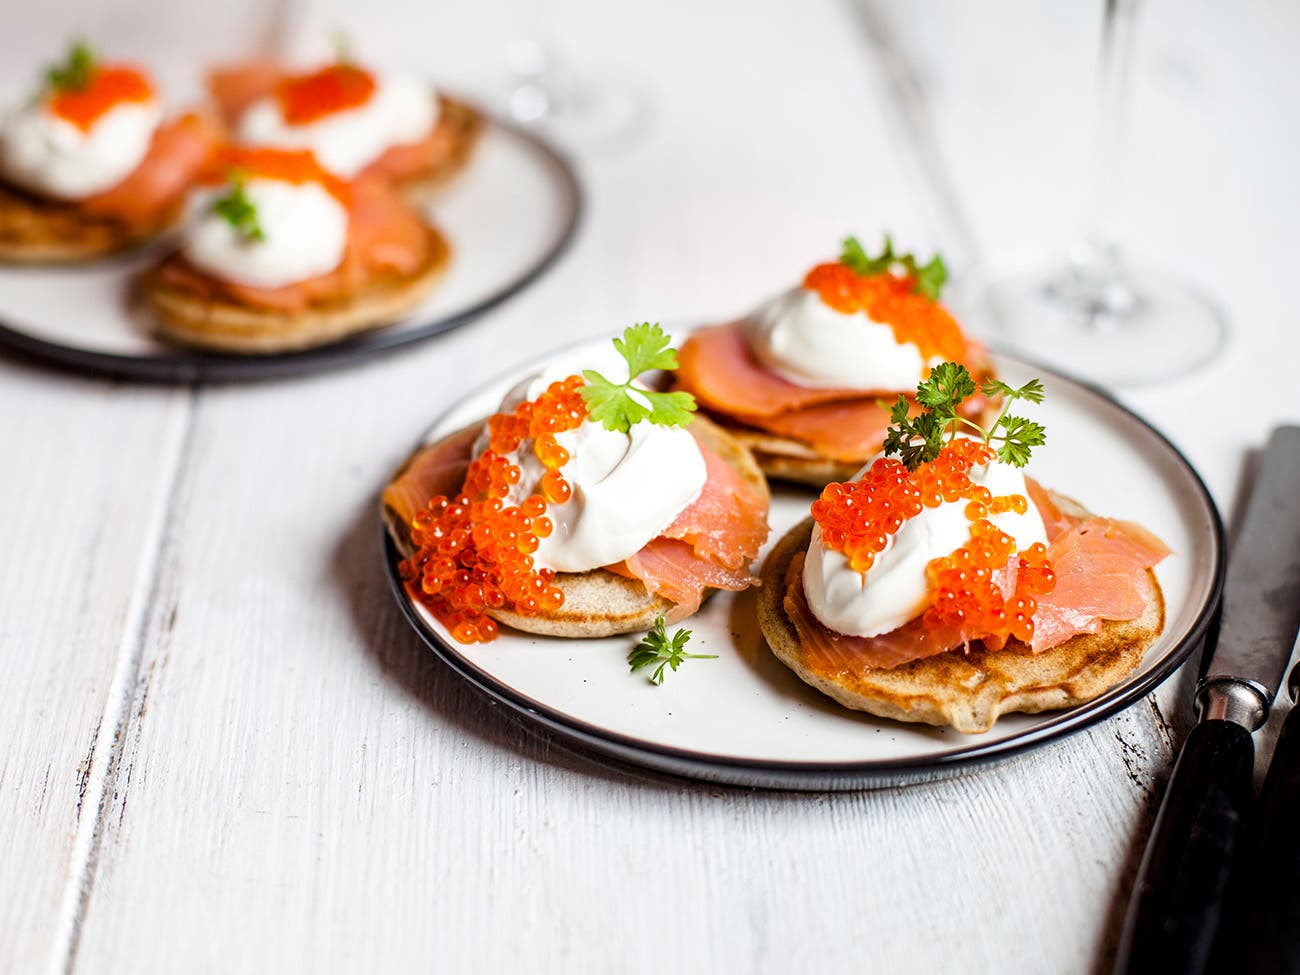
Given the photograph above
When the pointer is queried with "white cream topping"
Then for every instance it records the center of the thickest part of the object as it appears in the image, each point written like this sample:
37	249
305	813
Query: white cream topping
627	487
896	589
304	228
802	339
46	154
400	110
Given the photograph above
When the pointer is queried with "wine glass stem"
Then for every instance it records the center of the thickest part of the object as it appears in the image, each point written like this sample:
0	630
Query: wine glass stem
281	28
1100	240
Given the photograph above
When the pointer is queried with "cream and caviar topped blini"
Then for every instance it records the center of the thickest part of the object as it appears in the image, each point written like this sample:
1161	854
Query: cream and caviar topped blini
279	253
942	585
589	505
800	380
356	120
90	166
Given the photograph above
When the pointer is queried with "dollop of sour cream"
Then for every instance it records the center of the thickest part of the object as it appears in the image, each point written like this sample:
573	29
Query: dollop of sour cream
49	155
802	339
401	110
627	487
304	228
896	589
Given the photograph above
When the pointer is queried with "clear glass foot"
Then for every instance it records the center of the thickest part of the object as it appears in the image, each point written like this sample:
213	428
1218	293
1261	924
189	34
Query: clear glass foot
1101	321
580	113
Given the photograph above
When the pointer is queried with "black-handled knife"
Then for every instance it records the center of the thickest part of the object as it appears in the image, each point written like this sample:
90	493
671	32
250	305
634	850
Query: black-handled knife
1265	938
1178	902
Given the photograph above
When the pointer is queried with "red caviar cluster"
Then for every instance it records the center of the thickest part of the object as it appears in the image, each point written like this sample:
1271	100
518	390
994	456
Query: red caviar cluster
109	86
310	97
857	519
890	299
296	166
474	552
969	587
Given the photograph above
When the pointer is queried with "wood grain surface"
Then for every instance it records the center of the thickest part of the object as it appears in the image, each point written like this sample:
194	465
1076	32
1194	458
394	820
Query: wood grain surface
225	751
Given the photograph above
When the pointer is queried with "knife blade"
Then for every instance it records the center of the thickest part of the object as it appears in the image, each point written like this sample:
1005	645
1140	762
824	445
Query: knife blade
1178	900
1261	601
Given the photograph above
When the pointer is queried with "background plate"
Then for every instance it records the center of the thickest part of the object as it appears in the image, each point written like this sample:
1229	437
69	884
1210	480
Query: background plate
508	216
745	719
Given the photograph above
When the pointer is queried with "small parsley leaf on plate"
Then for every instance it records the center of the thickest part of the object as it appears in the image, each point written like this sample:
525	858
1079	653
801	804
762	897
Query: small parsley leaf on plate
657	647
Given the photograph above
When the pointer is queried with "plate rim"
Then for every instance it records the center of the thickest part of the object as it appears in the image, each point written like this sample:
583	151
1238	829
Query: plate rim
840	775
190	366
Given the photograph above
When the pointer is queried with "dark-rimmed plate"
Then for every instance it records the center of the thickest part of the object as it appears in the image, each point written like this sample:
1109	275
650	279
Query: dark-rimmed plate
744	719
509	216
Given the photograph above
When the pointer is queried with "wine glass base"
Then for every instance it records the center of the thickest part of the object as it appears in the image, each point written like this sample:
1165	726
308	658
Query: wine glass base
1133	329
581	112
581	121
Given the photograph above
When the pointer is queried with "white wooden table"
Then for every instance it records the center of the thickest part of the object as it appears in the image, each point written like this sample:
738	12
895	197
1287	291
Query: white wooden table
223	749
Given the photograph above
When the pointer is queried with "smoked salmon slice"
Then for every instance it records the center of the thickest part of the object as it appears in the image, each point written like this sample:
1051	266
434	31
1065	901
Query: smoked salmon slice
1055	521
710	544
386	235
179	151
716	366
727	523
673	569
850	430
437	469
1101	574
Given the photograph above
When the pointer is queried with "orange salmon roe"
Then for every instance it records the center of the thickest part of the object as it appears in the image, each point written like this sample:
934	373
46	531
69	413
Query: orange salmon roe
970	586
295	166
109	86
474	552
890	299
307	98
857	518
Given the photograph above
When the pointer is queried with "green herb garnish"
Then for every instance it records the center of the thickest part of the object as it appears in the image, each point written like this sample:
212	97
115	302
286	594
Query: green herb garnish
75	72
239	211
657	647
929	278
918	439
343	50
616	406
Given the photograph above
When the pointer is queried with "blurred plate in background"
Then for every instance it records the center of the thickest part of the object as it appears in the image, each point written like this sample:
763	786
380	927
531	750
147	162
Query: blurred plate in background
509	216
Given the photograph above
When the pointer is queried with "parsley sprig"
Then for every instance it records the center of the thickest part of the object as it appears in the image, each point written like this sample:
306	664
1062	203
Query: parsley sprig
658	647
616	406
929	278
918	439
76	70
344	53
239	211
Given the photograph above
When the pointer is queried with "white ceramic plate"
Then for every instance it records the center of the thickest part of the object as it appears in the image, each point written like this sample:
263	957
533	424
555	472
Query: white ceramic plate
508	216
746	719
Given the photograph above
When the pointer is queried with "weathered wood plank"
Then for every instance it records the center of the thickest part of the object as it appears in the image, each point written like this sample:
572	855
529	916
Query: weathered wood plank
302	785
88	469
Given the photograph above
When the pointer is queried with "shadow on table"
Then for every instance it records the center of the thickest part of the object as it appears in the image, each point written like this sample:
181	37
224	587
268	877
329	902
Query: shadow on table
1127	868
1177	723
358	572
